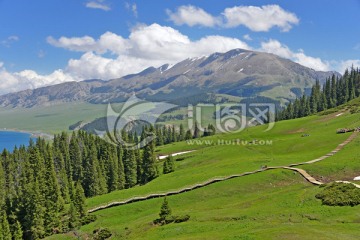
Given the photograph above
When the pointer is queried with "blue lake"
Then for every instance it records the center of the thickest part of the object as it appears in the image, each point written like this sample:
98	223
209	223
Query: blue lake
9	139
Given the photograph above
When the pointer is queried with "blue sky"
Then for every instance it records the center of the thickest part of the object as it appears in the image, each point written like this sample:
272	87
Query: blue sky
45	42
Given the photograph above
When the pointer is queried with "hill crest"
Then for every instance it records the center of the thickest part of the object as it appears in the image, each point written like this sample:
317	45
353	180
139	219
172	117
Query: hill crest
240	73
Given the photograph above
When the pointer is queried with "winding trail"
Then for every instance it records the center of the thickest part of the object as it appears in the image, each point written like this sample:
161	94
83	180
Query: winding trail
291	167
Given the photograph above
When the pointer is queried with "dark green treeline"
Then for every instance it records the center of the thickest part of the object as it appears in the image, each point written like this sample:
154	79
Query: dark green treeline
334	92
43	187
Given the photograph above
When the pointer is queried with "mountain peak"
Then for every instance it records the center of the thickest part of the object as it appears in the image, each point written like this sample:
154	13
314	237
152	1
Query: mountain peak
238	72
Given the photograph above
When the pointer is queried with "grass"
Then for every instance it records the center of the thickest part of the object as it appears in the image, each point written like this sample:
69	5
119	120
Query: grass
270	205
277	204
50	119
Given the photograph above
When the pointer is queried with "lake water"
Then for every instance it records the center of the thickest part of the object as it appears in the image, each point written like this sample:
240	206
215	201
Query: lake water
9	139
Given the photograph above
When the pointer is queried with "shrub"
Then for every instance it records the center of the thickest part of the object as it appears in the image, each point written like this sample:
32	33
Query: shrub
339	194
179	219
88	219
101	234
354	110
166	217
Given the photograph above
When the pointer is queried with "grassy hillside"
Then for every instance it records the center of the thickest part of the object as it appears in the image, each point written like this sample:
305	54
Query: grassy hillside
276	204
50	119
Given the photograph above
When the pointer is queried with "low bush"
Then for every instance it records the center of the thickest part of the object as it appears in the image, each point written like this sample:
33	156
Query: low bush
101	234
88	219
339	194
179	219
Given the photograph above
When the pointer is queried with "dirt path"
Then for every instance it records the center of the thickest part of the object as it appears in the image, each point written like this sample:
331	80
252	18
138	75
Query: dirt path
302	172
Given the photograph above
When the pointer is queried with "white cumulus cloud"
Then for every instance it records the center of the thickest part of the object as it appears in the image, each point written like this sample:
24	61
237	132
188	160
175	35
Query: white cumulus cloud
152	45
107	42
347	64
260	18
257	19
191	16
80	44
29	79
277	48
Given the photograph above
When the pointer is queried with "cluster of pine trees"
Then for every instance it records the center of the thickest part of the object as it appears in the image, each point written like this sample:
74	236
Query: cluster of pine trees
334	92
36	182
34	190
169	134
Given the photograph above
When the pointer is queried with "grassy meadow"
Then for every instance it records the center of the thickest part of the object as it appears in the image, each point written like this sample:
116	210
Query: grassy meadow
276	204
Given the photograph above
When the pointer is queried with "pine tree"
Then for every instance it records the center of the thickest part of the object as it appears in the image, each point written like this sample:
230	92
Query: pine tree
5	228
79	200
64	149
62	178
169	135
307	107
74	219
322	103
100	168
107	158
181	133
188	135
53	200
9	169
139	165
327	91
90	174
130	169
196	131
289	113
75	158
18	233
2	187
333	91
159	136
297	108
174	137
34	218
164	131
121	174
211	129
150	171
302	104
165	210
169	165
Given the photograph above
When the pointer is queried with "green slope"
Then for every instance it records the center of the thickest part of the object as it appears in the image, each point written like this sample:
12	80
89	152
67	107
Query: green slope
50	119
276	204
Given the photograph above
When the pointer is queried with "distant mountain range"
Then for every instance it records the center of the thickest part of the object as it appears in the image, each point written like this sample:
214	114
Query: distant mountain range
238	73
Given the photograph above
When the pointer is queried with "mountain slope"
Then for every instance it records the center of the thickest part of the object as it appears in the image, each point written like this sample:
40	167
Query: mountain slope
279	203
240	73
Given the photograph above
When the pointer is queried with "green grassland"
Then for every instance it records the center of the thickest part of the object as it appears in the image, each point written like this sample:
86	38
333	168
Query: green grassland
50	119
57	118
275	204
